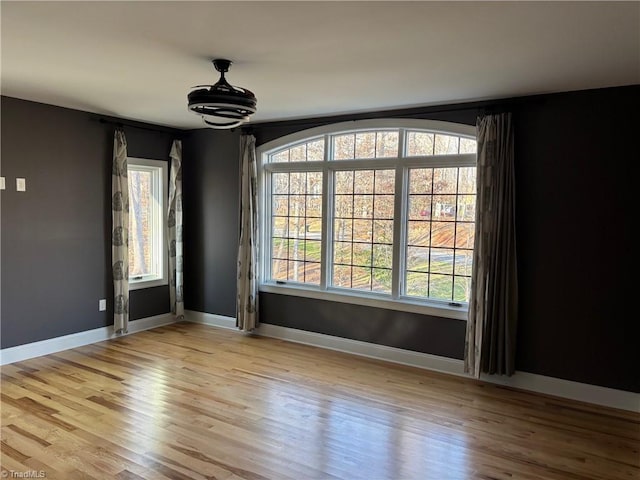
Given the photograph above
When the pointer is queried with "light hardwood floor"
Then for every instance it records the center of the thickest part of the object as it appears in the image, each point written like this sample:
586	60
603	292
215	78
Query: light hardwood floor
190	401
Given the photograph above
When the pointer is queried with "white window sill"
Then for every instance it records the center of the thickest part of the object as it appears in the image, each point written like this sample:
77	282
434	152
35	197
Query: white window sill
140	284
403	305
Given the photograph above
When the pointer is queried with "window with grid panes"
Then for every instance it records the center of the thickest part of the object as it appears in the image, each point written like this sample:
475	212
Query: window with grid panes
385	213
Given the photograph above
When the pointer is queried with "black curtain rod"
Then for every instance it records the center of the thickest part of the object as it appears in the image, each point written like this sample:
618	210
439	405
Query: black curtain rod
122	124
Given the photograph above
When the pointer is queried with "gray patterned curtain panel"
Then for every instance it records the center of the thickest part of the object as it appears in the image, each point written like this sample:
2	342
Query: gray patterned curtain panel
247	305
174	224
493	306
120	233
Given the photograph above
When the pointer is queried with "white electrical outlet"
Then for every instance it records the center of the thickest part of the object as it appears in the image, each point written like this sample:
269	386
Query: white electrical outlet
2	184
21	185
102	305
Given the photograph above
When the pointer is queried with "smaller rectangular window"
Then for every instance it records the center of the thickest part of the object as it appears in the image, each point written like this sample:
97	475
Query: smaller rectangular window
147	224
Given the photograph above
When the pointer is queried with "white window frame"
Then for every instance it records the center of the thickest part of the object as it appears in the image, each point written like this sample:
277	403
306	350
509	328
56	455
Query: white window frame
395	301
160	179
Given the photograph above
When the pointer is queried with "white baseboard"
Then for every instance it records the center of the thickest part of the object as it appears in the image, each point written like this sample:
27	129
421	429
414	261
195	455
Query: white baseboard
584	392
558	387
53	345
210	319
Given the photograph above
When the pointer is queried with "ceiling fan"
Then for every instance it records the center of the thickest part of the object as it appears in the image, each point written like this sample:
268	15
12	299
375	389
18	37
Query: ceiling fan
221	105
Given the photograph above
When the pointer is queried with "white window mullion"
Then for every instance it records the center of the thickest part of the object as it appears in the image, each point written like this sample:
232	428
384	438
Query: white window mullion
327	216
327	228
399	230
401	143
399	234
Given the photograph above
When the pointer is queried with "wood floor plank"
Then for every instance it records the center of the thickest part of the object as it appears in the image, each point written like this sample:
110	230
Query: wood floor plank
193	402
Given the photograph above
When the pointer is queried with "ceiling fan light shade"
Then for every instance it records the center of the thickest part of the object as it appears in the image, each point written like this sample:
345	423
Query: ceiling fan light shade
222	105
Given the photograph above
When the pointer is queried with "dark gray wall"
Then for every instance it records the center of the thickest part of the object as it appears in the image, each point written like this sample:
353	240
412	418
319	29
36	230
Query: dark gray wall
56	236
576	204
210	200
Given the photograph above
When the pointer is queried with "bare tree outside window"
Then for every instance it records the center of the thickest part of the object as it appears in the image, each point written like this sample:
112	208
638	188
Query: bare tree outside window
363	229
140	244
148	194
296	213
440	233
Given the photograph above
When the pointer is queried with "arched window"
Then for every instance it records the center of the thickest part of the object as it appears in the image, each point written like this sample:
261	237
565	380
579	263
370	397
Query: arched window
376	212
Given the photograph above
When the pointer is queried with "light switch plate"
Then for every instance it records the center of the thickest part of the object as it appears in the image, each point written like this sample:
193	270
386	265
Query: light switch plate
21	185
102	305
2	184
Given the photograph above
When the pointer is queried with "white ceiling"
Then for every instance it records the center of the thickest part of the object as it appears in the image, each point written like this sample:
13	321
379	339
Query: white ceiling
138	60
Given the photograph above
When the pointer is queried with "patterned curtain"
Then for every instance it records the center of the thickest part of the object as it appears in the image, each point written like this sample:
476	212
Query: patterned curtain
120	233
493	307
174	223
247	305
